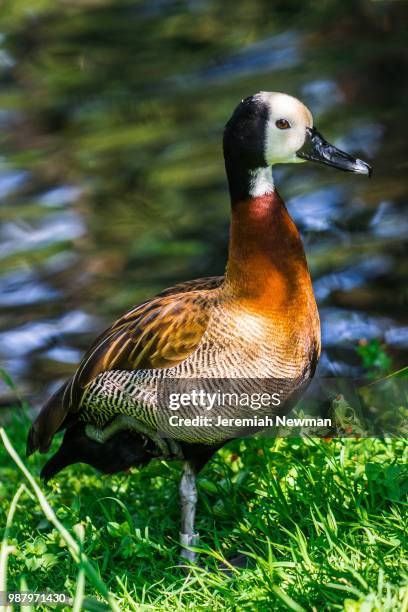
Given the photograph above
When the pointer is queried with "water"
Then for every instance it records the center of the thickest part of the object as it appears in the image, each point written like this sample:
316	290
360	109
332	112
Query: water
111	174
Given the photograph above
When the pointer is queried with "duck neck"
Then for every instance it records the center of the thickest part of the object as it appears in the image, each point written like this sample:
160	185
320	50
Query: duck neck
266	260
245	182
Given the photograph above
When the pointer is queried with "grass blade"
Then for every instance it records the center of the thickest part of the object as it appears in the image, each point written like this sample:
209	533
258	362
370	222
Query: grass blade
72	545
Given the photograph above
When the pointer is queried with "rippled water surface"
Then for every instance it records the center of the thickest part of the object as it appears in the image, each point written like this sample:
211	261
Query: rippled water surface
111	174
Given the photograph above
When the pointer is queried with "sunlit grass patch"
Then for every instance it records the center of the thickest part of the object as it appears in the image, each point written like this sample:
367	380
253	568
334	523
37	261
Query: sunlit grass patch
321	523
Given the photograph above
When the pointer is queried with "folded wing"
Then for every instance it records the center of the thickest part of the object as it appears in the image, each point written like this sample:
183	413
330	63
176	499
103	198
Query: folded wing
159	333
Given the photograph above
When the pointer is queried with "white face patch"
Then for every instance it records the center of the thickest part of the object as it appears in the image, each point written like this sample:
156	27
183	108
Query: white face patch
281	145
261	182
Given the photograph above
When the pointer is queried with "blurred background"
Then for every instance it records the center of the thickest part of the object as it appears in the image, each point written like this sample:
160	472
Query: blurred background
112	181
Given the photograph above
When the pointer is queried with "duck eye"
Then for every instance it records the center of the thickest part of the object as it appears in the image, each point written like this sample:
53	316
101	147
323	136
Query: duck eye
282	124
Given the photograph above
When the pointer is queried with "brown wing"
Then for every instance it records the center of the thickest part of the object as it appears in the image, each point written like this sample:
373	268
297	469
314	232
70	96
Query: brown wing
159	333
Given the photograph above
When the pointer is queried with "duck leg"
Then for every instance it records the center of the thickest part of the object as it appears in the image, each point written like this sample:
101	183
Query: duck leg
169	449
188	499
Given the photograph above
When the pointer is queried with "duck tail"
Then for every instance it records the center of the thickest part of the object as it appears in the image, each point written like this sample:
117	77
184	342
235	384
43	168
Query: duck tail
122	451
48	421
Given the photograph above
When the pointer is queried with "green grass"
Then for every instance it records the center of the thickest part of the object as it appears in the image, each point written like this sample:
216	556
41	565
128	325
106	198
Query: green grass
323	524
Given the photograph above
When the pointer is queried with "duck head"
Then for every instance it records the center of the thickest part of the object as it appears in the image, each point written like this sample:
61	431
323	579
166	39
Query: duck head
270	128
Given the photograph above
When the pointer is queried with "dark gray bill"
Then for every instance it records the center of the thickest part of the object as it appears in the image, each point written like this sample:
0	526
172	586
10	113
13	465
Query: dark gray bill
317	149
